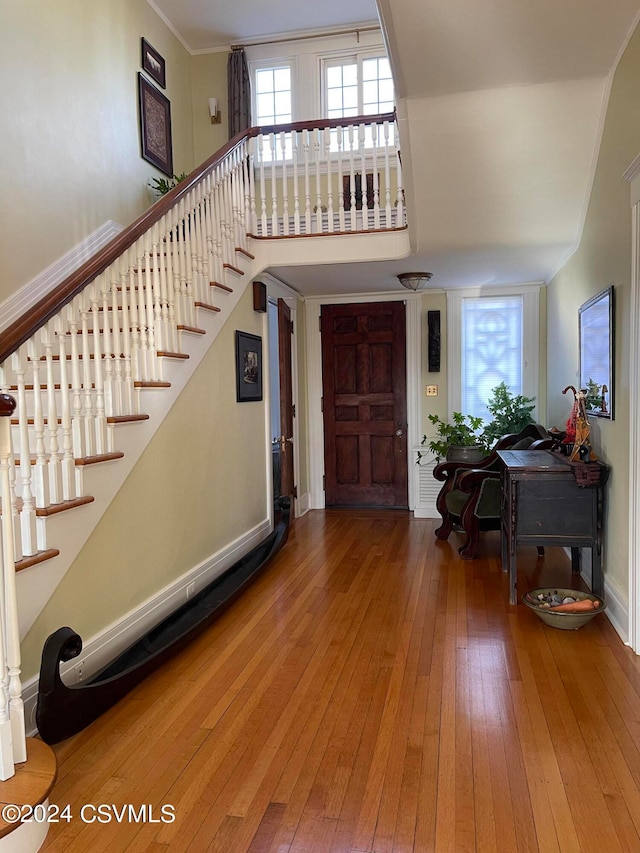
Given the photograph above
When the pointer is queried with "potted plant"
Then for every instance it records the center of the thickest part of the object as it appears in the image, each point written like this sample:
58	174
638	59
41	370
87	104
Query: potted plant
161	186
510	414
459	439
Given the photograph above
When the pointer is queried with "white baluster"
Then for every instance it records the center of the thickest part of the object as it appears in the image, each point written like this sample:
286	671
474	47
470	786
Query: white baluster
340	144
127	403
376	187
363	175
54	465
77	431
98	374
117	332
295	146
24	482
40	477
316	159
400	194
68	463
167	282
274	186
109	322
353	224
387	178
253	212
246	218
327	153
87	391
307	182
155	317
146	311
285	184
263	187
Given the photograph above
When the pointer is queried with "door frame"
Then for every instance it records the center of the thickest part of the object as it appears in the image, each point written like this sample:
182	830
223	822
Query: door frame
314	385
278	290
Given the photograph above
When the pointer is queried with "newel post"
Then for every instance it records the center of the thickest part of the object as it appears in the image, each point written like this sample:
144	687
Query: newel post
12	729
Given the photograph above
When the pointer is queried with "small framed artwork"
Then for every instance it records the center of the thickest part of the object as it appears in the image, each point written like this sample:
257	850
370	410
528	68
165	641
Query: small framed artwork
248	367
597	353
155	126
153	64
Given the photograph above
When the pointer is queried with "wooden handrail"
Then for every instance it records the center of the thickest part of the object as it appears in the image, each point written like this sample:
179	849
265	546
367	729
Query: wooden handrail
33	319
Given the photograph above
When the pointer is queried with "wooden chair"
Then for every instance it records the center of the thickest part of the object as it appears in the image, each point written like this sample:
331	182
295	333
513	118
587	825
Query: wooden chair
471	496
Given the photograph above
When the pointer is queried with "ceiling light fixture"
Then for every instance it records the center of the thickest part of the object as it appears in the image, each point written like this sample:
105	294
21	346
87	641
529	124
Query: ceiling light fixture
414	280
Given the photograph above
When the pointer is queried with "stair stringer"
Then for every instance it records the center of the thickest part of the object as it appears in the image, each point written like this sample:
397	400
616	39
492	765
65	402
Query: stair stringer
70	530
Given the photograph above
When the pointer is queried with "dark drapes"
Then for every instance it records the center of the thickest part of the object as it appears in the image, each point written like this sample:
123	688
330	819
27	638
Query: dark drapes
239	92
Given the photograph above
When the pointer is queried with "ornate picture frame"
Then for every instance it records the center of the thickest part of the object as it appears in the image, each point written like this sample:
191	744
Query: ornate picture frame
155	126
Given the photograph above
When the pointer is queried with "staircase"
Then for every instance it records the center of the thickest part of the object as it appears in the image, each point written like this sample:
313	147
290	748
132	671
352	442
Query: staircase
98	363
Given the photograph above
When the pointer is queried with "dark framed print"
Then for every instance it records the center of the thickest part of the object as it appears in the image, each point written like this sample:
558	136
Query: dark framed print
248	367
153	64
155	126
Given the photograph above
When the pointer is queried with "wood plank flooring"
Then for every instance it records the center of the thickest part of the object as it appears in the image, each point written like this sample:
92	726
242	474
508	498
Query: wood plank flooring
371	692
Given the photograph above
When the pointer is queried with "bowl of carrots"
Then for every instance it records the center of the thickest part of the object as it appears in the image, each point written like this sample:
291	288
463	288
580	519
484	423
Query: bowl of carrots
568	609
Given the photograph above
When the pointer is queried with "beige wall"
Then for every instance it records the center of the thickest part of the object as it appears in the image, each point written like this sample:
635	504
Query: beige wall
209	80
200	484
70	153
603	258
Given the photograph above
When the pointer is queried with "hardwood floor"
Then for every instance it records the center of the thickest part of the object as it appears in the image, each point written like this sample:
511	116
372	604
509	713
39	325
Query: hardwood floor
372	692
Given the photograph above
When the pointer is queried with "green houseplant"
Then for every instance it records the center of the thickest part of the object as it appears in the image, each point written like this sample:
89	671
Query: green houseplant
461	437
161	186
511	413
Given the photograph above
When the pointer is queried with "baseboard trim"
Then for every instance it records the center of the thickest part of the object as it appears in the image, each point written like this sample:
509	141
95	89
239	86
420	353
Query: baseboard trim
33	291
303	504
113	640
617	610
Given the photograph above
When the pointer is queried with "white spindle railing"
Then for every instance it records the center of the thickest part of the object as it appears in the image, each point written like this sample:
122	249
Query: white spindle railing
83	366
326	178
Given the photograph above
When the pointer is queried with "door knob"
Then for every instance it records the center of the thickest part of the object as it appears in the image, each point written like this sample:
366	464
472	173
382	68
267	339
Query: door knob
399	433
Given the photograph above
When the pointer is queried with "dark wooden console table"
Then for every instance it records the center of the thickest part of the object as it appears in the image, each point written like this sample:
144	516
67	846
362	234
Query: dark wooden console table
543	504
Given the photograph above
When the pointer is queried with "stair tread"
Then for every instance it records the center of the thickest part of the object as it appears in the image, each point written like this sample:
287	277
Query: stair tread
245	252
221	286
63	506
101	457
233	268
192	329
34	559
151	383
167	354
126	419
206	306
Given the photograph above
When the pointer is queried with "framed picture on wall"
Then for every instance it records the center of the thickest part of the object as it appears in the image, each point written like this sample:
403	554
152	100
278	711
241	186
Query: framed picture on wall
597	349
153	64
155	126
248	367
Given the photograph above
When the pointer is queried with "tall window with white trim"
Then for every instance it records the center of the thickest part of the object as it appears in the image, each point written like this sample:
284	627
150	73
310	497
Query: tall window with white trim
273	95
491	350
357	85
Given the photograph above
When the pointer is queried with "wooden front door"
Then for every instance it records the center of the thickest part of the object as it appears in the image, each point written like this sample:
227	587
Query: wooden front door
364	404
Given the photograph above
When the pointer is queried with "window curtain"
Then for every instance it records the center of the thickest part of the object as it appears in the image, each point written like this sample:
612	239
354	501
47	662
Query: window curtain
239	92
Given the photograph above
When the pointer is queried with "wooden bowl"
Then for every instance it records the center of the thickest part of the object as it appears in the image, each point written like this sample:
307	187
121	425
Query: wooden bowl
565	621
